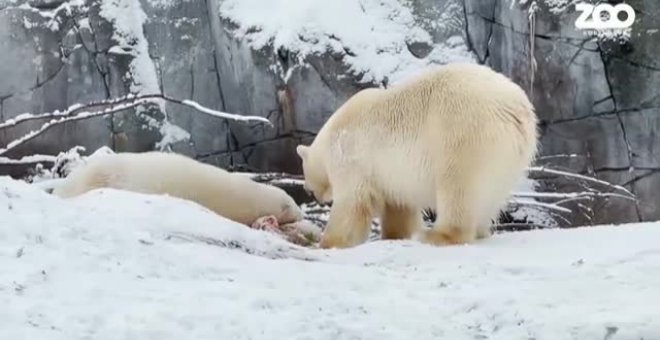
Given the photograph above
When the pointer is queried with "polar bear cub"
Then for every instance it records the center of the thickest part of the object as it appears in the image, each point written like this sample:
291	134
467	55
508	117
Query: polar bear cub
230	195
457	138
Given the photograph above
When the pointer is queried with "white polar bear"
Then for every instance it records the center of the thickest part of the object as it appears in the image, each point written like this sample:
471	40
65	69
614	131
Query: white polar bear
230	195
456	138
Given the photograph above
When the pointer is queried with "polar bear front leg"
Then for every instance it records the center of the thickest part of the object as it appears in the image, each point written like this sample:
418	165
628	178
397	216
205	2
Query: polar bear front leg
348	225
400	222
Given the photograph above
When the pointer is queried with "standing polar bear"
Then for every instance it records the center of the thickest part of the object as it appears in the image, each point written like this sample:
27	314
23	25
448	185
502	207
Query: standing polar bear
456	138
233	196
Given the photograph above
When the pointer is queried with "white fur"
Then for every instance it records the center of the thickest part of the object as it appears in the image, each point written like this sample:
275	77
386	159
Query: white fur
232	196
456	138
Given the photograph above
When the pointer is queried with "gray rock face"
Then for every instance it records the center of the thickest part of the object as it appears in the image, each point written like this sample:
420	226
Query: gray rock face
597	98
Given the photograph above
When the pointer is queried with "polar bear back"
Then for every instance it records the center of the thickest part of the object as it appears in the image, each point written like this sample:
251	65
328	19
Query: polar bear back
232	196
449	99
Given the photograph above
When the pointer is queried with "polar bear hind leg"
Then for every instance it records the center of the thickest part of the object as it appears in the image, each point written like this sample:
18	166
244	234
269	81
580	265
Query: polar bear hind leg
456	221
400	222
470	196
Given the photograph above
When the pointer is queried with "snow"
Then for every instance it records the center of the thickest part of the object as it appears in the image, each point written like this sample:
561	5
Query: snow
128	19
171	134
118	265
51	16
373	45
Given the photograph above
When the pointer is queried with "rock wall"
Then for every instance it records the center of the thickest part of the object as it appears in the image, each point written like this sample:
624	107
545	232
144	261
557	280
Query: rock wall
597	98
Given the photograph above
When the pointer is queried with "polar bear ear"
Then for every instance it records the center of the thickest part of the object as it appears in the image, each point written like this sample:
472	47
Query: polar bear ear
302	151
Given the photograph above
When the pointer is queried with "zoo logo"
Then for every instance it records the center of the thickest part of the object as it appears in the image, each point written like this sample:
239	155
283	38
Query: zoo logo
612	20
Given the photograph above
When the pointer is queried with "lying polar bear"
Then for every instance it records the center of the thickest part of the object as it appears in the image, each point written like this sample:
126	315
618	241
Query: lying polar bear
232	196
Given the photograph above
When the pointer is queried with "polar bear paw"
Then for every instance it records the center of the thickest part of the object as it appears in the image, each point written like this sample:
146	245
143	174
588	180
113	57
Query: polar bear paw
446	236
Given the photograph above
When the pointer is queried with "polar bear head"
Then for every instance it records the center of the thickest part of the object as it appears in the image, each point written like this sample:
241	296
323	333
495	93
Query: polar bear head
316	176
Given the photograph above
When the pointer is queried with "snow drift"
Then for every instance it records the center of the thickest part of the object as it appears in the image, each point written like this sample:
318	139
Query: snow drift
119	265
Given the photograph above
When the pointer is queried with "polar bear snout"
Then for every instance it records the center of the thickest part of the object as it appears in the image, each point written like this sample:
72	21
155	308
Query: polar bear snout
323	197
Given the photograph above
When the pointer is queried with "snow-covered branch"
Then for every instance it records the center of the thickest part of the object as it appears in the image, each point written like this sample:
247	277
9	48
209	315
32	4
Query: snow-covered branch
571	195
275	178
558	205
547	171
106	107
219	114
560	156
549	206
32	159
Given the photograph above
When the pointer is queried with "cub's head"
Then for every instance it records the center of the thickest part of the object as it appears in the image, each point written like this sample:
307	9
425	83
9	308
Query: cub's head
316	177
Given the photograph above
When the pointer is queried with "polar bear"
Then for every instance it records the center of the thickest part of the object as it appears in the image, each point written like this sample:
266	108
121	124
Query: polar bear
456	138
230	195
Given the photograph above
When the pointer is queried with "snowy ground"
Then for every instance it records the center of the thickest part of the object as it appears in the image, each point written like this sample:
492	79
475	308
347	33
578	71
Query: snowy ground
116	265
